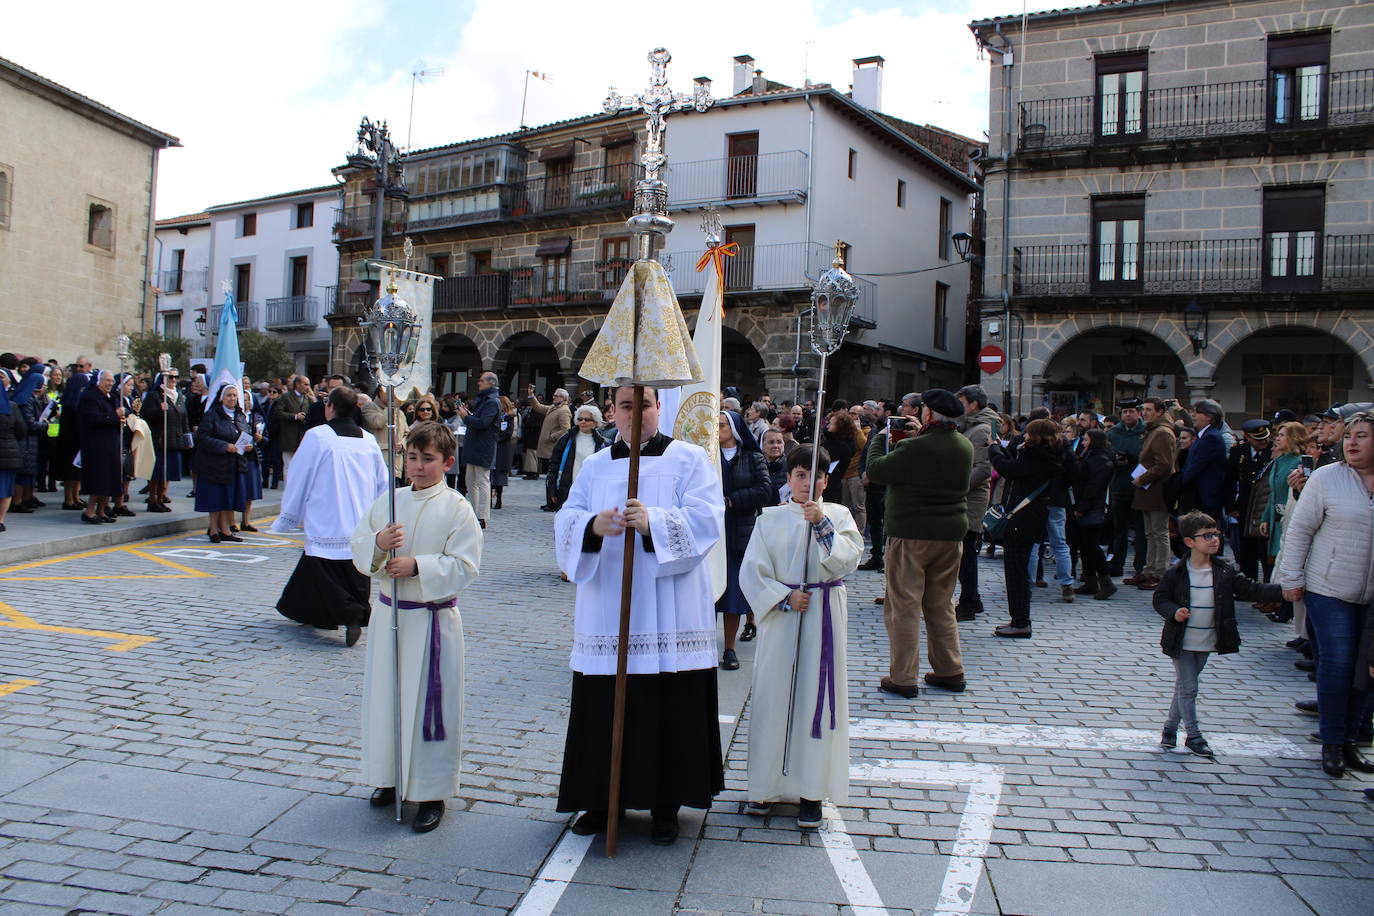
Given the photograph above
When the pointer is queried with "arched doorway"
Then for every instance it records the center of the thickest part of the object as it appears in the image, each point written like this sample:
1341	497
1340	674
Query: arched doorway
1096	370
741	365
456	364
1300	369
528	358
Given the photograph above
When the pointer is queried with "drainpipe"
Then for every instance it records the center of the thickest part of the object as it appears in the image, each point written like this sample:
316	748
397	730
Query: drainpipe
1008	61
148	246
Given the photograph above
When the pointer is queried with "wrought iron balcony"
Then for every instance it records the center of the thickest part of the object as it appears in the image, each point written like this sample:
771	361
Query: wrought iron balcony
292	312
247	316
470	293
1236	266
174	282
357	222
1192	112
759	268
738	179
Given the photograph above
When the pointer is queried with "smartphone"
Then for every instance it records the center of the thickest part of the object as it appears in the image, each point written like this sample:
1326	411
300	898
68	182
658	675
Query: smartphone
1307	464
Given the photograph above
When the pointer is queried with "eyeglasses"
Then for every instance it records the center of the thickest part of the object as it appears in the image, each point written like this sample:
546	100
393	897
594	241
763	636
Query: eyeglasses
1207	536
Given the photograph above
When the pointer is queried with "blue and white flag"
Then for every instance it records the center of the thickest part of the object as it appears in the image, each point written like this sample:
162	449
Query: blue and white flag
227	349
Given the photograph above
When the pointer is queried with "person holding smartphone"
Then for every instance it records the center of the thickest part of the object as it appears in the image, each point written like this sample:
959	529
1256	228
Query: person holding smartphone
1290	442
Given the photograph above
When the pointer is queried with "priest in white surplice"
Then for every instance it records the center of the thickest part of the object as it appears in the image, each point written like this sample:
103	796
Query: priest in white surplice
438	551
339	472
672	731
771	578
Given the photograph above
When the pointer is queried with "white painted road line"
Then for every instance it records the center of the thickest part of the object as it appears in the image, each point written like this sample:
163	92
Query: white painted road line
984	785
844	858
1233	744
553	878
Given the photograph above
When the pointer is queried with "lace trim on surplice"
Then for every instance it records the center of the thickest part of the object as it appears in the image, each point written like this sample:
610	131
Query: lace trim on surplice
683	642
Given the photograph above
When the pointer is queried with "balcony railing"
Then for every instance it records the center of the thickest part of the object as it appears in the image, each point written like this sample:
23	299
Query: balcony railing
1345	262
247	313
173	282
357	222
479	291
608	187
769	176
292	311
1193	112
787	266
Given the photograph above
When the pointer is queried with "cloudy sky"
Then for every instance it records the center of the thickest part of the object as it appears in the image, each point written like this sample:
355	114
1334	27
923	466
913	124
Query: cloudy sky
266	94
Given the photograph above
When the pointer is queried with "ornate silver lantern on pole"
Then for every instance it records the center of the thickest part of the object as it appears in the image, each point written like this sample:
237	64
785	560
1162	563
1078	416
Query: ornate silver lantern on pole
391	329
833	298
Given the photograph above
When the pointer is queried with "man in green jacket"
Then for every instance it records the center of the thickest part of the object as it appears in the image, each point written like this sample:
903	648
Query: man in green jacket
926	517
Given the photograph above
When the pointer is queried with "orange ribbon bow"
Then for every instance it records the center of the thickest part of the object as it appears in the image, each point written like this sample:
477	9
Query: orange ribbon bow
716	254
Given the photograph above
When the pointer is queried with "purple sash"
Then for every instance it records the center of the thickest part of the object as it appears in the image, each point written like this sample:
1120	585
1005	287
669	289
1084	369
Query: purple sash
826	681
433	723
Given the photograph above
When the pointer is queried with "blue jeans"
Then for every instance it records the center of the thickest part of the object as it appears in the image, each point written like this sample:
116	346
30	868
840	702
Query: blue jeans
1336	627
1054	533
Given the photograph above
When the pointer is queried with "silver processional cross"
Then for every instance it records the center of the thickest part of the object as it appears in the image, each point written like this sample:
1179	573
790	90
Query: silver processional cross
651	194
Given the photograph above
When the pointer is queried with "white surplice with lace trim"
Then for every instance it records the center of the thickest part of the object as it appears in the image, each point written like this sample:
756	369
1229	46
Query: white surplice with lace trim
672	612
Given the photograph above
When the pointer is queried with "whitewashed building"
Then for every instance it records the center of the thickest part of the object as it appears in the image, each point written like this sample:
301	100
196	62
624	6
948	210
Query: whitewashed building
181	280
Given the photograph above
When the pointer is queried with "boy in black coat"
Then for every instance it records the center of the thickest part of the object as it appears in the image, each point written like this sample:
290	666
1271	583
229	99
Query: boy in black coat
1196	598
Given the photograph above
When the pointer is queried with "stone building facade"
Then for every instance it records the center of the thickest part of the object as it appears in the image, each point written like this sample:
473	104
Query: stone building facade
528	232
77	181
1180	202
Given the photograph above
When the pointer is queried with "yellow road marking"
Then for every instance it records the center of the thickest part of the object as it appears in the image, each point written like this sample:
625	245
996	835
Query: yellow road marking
123	642
190	571
17	685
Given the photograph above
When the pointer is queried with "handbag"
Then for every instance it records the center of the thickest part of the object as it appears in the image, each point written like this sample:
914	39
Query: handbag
997	519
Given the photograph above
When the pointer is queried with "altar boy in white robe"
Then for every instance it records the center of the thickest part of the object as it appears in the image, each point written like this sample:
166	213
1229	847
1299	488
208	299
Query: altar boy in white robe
772	580
438	548
671	751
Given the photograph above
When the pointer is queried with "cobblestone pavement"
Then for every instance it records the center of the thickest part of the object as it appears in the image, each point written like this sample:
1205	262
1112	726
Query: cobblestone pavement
169	744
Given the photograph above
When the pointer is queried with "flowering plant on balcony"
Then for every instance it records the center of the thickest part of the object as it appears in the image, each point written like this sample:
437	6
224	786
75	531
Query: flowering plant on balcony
522	271
614	264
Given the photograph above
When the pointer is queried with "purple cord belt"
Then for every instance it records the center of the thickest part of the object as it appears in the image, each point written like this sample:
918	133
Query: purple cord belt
826	680
433	723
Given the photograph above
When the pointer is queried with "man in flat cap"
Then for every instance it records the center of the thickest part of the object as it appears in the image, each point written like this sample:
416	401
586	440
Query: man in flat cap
1247	493
925	520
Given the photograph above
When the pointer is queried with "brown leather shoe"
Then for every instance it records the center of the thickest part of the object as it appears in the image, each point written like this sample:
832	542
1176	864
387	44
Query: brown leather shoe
1147	585
908	693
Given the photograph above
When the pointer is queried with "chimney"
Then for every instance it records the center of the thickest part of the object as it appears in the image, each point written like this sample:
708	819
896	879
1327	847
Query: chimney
868	82
744	73
760	84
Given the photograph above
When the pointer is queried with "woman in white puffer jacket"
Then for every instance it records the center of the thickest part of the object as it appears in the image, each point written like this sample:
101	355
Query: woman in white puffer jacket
1328	560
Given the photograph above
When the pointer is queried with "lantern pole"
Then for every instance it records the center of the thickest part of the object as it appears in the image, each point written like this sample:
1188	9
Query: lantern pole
392	327
832	304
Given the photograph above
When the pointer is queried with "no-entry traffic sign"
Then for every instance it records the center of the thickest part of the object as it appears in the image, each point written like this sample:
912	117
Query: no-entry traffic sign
991	359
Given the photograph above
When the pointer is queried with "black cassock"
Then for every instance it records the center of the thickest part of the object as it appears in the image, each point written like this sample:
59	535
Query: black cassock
326	593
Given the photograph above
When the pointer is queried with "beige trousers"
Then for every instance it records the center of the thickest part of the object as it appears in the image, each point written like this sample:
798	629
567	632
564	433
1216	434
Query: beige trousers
856	502
920	584
1157	544
479	490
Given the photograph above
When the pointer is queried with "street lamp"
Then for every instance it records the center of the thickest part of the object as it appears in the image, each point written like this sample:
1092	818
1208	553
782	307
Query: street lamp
200	323
963	245
376	151
1195	325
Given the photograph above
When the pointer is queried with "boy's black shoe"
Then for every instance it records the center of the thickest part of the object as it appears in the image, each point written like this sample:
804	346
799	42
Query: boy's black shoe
1305	664
382	797
871	565
1168	738
589	823
665	829
1306	706
351	635
1198	745
428	817
1369	794
809	814
1011	631
729	660
1296	643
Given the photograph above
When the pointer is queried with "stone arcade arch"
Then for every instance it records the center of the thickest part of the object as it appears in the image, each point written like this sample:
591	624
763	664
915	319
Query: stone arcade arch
525	358
1097	367
1302	368
456	363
